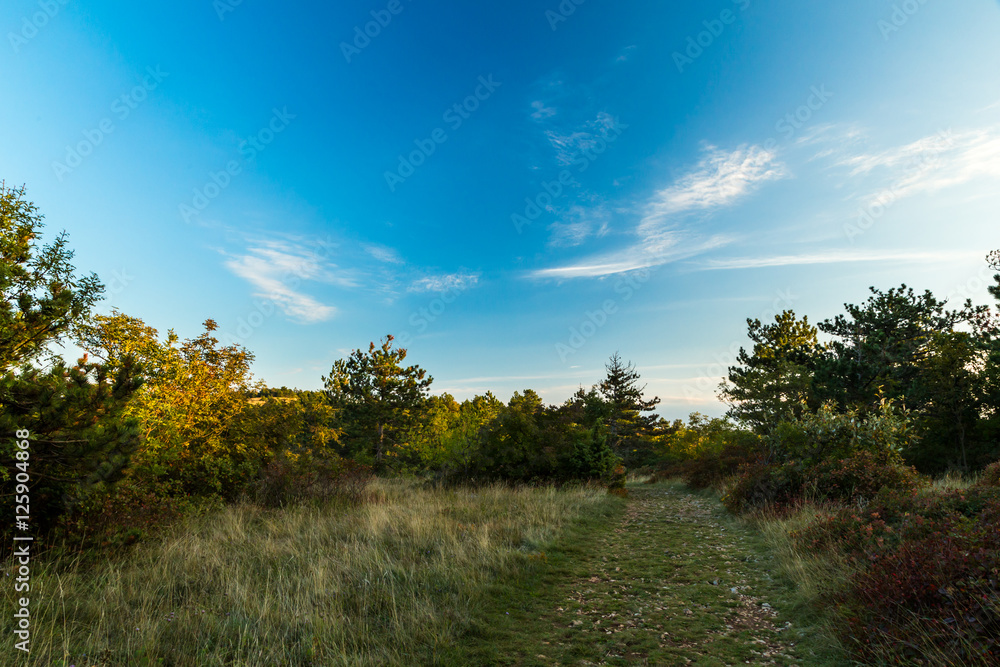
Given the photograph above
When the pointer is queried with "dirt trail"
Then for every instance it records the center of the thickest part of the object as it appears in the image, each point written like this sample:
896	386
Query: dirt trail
674	583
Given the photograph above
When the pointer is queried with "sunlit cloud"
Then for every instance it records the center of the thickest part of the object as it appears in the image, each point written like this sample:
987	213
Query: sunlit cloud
278	269
720	179
666	249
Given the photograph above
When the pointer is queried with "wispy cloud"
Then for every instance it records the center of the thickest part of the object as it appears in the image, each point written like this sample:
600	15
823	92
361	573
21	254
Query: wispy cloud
579	223
569	145
923	166
625	54
444	283
668	247
277	268
834	257
721	178
383	254
541	110
995	105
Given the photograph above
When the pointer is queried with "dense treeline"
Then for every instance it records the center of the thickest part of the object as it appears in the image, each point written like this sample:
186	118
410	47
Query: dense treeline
940	367
837	426
146	427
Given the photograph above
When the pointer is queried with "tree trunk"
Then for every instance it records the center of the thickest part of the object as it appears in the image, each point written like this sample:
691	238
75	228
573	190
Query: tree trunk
378	450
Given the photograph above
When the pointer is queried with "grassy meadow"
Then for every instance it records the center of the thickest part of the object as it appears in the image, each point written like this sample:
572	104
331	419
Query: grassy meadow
391	581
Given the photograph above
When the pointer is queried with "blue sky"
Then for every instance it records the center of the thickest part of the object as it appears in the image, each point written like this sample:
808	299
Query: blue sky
516	190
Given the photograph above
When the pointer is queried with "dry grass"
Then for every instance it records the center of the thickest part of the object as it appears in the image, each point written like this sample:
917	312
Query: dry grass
814	577
814	574
954	481
386	583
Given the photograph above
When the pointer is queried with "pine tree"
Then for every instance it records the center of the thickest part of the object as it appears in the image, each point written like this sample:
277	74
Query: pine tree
78	439
376	398
773	381
626	422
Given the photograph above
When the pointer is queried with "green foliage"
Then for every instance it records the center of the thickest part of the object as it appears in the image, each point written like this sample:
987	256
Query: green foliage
376	398
829	435
189	407
855	479
42	297
528	442
700	437
624	408
878	347
949	389
898	345
80	440
774	382
446	435
712	469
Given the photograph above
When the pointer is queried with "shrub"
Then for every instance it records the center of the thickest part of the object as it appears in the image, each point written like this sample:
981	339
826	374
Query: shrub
539	447
287	482
616	482
859	477
934	599
117	517
670	471
712	469
831	435
925	576
990	477
764	486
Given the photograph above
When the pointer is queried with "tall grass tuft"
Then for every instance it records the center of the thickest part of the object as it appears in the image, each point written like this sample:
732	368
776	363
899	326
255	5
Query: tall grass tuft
387	582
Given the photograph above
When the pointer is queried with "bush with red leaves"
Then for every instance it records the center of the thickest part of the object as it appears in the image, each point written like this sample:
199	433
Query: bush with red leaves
859	478
926	582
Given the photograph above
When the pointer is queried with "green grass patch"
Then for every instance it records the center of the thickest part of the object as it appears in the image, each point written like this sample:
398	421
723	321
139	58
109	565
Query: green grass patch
668	578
